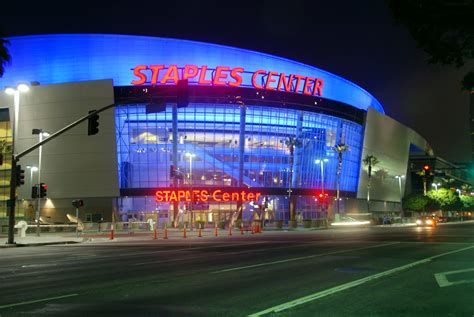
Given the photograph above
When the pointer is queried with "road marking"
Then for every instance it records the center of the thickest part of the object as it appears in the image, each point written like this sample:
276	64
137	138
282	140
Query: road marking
342	287
38	265
37	301
223	254
443	281
300	258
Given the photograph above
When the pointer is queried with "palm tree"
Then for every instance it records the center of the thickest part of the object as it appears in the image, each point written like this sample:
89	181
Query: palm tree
340	149
5	57
466	189
291	142
369	161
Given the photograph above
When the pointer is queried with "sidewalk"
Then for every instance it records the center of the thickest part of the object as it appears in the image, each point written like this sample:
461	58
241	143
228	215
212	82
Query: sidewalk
44	239
413	224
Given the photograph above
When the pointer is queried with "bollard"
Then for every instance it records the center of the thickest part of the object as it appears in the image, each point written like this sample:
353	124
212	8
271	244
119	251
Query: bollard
230	230
111	232
200	233
241	228
154	233
253	229
165	235
184	232
215	231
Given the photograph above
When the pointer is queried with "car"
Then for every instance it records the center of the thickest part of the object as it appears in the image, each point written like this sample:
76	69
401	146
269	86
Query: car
427	221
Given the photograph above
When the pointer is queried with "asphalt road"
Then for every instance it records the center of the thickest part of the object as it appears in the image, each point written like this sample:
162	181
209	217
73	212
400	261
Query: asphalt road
405	271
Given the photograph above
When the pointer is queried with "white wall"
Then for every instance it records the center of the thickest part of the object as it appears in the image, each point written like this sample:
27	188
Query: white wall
74	165
389	141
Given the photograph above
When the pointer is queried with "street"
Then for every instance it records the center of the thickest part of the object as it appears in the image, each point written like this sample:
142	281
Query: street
374	271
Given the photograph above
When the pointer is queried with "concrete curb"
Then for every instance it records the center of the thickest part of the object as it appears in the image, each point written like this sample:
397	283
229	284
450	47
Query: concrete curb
34	244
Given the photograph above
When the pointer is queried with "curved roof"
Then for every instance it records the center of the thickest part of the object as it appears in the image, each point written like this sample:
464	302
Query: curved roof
59	58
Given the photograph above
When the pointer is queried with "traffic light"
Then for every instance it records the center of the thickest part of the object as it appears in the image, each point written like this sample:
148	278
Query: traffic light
34	191
93	124
427	170
20	176
78	203
43	190
182	95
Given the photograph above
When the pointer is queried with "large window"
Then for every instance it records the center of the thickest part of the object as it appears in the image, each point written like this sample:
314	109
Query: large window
209	149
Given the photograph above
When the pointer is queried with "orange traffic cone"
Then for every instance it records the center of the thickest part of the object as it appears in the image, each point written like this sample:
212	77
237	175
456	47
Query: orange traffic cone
111	232
184	232
241	228
215	231
165	235
200	233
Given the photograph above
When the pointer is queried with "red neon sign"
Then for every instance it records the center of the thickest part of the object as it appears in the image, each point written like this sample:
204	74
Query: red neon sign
226	76
204	195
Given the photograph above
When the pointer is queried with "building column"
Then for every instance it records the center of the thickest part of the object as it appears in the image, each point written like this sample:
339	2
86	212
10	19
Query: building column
175	158
243	114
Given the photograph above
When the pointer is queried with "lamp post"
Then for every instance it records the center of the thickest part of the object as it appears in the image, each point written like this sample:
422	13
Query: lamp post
40	134
191	155
400	177
435	185
321	163
21	88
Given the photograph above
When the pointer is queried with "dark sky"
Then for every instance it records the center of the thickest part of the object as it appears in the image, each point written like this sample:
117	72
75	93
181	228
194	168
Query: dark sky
354	39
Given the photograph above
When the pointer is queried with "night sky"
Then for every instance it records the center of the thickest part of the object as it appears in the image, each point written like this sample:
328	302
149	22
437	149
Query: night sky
357	40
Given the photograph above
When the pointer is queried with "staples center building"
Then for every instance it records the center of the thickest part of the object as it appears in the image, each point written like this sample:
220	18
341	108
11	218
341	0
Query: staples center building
251	134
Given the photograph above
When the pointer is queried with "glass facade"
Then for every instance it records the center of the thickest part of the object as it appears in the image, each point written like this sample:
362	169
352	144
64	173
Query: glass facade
209	152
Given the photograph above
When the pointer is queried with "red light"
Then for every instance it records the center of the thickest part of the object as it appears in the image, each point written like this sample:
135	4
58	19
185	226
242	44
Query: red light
321	195
426	167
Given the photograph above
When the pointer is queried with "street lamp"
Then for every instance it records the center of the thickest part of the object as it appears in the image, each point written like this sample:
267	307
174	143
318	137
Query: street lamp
400	177
190	155
321	163
40	134
21	88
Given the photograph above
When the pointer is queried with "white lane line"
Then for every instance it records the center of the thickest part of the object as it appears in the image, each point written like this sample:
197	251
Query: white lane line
172	260
339	288
223	254
37	301
300	258
443	281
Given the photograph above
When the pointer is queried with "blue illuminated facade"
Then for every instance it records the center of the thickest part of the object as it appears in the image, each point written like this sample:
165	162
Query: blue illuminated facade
53	59
219	142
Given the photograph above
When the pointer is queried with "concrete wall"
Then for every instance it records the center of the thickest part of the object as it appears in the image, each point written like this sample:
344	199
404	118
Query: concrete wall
74	165
389	141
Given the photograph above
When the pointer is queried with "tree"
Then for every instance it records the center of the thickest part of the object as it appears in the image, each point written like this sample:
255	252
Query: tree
291	142
370	161
340	148
447	199
419	203
467	202
466	189
5	57
443	29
